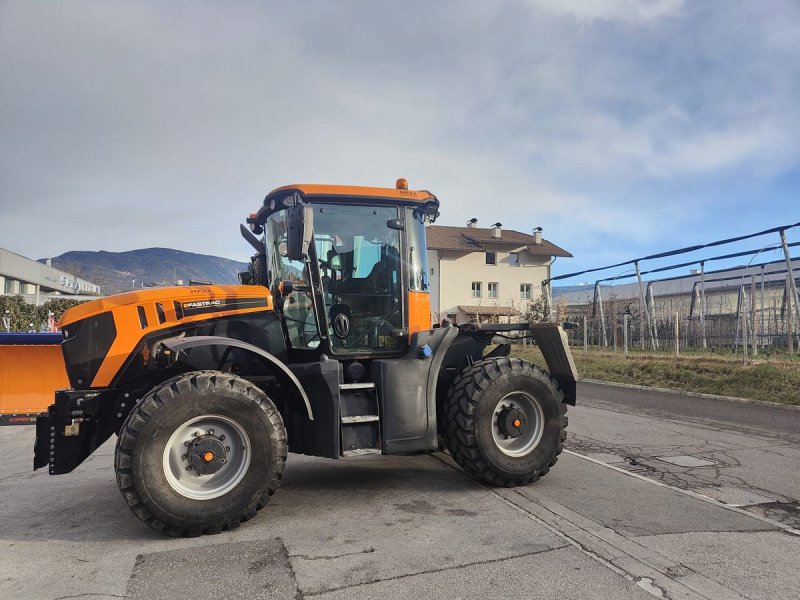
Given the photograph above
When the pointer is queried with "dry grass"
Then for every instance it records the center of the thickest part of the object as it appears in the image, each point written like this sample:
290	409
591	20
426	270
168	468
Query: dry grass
770	380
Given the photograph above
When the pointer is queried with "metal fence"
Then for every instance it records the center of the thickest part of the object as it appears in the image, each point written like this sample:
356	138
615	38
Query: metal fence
750	309
670	328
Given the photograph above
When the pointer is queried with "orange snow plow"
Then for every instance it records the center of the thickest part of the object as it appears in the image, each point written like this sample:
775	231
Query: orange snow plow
31	369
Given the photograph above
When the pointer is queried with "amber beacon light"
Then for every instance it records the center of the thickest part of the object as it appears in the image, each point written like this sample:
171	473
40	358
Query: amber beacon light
402	184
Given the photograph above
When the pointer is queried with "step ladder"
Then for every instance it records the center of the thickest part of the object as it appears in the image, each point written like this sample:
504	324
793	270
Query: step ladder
361	428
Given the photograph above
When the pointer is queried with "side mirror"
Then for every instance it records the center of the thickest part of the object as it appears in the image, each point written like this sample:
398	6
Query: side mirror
300	229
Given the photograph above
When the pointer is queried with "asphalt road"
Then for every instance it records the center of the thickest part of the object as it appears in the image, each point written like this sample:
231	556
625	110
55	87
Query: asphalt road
753	449
616	518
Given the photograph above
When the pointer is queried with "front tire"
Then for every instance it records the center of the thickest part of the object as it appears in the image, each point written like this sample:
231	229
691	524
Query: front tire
201	453
505	421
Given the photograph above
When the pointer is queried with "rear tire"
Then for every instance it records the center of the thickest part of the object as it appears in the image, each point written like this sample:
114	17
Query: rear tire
483	405
200	454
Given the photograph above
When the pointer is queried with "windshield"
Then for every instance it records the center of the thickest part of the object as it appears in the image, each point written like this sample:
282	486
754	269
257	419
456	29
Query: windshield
359	268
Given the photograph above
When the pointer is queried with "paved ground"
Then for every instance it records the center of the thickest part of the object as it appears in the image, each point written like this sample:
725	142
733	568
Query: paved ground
743	454
600	525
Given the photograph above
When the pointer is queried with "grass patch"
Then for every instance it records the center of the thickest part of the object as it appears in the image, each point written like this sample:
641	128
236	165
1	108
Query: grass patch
772	381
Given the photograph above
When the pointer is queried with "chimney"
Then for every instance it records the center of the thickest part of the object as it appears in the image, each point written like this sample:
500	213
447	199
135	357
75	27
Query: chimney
497	230
537	236
472	223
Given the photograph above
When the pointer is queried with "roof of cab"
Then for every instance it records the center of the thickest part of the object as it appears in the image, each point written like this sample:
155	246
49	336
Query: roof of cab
349	191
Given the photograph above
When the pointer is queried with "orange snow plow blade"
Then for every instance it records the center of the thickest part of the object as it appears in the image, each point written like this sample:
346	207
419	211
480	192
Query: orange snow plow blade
31	370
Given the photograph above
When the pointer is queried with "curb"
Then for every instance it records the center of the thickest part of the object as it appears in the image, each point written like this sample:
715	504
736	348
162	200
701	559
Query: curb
633	386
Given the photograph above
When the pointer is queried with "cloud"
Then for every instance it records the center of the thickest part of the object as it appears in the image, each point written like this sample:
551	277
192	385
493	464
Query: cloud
630	11
130	125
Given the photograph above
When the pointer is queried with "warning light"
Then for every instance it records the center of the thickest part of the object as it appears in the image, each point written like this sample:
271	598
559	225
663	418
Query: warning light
517	422
208	456
402	184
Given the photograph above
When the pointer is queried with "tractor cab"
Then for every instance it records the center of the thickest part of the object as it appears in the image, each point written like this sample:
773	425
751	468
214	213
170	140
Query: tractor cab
347	266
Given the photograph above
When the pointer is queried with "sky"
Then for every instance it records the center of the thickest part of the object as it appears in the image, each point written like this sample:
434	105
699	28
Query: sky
621	127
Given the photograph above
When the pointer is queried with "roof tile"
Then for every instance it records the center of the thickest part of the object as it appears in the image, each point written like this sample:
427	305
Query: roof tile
474	239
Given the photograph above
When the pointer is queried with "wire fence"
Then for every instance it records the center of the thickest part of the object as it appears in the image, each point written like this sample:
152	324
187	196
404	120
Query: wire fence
747	309
767	331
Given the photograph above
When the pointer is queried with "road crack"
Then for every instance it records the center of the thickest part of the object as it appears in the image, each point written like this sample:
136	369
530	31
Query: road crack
308	557
429	571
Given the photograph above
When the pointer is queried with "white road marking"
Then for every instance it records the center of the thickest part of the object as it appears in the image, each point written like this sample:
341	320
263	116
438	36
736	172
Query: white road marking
649	570
708	499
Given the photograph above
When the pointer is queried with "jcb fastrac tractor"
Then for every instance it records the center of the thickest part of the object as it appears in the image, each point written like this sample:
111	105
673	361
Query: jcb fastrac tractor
325	349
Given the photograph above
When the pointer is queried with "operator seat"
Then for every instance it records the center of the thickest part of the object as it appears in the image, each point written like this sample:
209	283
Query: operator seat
380	279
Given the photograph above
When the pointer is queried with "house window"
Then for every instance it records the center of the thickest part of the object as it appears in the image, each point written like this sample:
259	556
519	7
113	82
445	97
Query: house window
431	272
476	289
491	258
491	289
525	291
513	259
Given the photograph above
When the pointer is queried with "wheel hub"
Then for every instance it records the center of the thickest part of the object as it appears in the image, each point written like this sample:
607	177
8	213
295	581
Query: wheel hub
512	422
517	423
206	454
206	457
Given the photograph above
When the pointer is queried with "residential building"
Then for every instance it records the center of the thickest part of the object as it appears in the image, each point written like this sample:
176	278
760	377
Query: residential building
486	274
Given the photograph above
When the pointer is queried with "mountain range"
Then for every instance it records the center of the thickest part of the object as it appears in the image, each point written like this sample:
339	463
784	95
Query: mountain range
120	271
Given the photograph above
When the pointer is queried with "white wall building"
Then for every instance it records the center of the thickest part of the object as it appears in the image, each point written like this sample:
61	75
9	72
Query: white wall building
37	282
478	274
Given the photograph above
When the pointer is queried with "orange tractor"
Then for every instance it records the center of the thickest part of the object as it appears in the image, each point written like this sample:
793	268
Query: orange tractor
325	349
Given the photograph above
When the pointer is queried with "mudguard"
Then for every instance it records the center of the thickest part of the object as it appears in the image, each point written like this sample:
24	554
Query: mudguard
552	341
177	344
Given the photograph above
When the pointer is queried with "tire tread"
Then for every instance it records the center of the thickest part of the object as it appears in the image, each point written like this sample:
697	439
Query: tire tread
196	383
460	407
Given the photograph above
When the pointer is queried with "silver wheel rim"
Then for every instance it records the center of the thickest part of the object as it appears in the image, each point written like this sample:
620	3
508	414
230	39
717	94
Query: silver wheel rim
186	481
531	436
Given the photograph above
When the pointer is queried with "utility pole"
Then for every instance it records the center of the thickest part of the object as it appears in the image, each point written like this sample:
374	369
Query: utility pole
598	300
792	284
753	337
586	334
703	302
625	333
645	312
677	334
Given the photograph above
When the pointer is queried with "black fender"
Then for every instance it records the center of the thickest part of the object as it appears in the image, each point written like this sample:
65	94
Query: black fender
177	344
